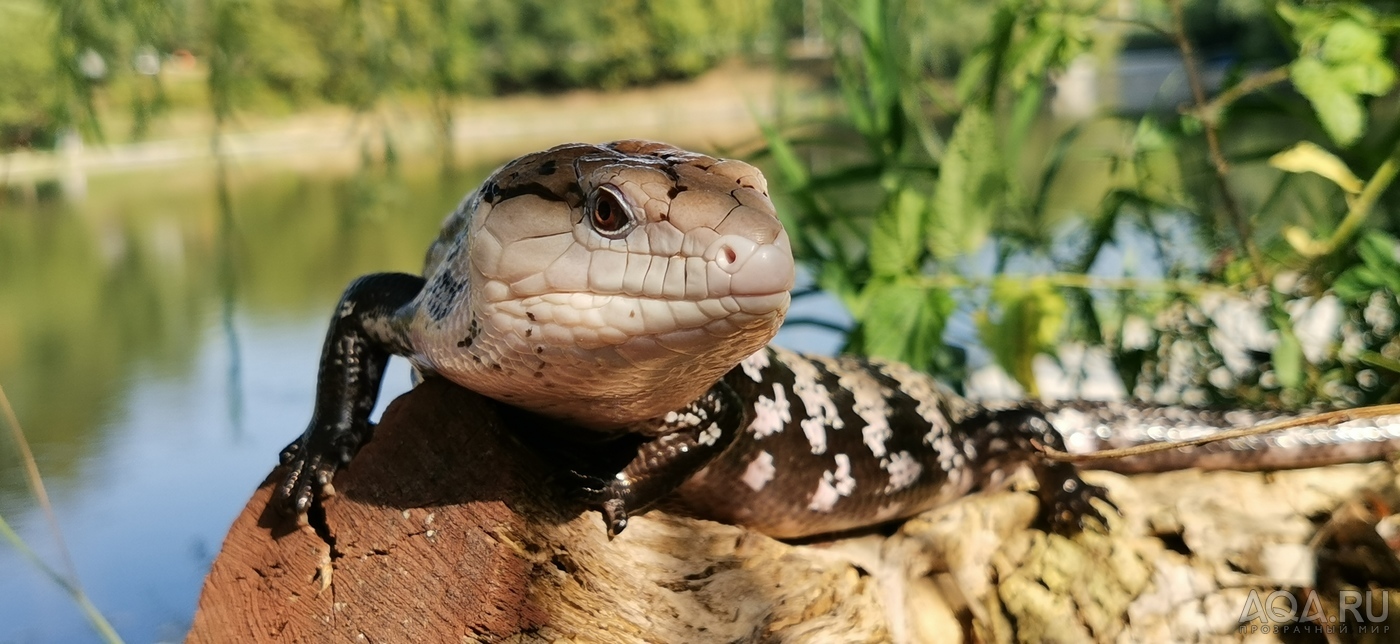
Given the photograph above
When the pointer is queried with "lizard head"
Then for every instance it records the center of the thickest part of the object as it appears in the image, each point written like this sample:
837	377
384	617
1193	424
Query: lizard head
634	274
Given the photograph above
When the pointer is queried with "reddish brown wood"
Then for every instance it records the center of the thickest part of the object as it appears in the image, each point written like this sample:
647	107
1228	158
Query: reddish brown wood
409	540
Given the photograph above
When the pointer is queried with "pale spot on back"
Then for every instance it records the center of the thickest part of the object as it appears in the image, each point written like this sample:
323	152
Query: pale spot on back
833	485
771	415
759	472
754	365
904	470
816	434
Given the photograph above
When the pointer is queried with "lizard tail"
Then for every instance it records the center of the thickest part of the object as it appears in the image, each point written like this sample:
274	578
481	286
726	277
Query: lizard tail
1089	427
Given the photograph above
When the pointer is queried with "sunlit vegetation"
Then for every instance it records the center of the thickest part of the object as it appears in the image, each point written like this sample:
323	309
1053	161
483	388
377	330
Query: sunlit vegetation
81	63
927	200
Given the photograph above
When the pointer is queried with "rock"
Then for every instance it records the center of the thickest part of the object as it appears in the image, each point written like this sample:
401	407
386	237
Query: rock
447	529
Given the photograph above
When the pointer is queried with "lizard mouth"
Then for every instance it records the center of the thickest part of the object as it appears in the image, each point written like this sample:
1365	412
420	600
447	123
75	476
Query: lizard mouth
733	285
587	321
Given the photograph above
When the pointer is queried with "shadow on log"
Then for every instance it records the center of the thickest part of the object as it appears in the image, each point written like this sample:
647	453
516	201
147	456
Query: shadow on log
446	529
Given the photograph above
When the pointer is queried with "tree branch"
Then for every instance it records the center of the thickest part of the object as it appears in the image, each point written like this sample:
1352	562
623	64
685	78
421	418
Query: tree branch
1217	158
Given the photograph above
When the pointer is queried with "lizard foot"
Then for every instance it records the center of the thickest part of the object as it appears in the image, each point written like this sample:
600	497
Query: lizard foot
598	494
1066	501
311	463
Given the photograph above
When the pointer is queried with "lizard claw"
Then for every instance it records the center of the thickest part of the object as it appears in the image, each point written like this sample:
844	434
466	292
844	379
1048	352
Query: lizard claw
310	464
1067	503
597	493
306	474
614	516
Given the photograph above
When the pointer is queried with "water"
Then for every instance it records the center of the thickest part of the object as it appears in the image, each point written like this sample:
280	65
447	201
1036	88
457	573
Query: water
159	342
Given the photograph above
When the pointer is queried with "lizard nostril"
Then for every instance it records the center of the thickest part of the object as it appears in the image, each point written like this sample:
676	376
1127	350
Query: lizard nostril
753	268
731	252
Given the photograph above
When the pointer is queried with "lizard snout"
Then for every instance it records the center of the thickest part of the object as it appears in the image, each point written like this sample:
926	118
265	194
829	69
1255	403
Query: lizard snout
754	268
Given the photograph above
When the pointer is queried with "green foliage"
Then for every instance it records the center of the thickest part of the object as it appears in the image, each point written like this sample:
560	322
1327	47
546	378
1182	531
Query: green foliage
915	200
1032	318
1378	269
28	96
1342	58
902	195
971	187
910	319
96	44
265	55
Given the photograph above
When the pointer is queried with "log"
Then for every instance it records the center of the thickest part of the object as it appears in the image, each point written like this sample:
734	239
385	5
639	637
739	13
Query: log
445	528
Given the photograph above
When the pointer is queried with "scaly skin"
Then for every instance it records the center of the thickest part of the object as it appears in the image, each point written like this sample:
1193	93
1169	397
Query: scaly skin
603	286
631	288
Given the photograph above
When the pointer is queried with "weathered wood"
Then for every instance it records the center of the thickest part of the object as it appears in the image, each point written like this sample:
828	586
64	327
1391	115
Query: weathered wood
446	530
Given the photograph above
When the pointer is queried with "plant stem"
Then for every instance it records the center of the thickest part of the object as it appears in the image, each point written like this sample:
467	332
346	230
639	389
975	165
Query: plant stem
1137	22
36	483
69	583
1210	112
1077	281
94	616
1217	157
1363	203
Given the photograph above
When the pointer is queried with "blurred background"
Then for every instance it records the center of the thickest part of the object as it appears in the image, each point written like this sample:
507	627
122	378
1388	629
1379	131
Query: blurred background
1178	200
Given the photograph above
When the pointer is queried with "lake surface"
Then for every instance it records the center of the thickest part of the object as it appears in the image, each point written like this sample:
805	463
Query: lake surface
159	341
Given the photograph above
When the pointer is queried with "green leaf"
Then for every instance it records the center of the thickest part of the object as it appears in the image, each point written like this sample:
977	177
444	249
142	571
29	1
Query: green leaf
1310	157
896	241
974	72
1024	115
793	170
1288	360
1372	77
1339	110
1032	317
970	188
1378	253
1343	57
1191	125
1380	361
1356	284
1035	55
1348	41
1308	26
1149	136
1378	250
903	322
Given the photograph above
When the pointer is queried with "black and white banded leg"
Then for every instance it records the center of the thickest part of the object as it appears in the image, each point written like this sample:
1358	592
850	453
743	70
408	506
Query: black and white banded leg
686	440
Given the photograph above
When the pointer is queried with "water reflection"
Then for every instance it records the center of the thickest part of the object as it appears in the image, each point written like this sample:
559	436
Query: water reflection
159	341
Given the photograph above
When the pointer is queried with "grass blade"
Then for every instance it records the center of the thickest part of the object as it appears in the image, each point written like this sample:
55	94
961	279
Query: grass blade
69	583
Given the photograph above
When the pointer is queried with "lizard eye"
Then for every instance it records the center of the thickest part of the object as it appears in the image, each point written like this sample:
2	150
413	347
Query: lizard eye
607	212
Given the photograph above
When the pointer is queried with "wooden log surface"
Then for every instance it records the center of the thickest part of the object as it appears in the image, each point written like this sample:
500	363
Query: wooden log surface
446	529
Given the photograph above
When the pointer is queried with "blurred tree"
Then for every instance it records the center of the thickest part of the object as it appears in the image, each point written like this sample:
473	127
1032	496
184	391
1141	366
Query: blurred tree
28	96
108	54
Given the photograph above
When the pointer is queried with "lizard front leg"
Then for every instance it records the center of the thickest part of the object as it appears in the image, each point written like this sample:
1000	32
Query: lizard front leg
1066	500
686	440
367	328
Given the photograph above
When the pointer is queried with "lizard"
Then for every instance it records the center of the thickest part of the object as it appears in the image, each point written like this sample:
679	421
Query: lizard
631	289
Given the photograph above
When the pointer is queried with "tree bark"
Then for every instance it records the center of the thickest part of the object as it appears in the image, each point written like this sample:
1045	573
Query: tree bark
447	529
